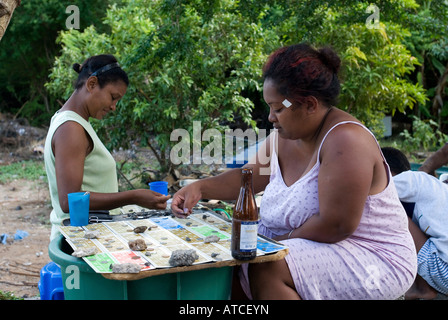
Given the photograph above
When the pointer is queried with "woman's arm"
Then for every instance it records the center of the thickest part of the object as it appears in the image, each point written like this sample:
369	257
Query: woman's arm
71	146
142	197
437	160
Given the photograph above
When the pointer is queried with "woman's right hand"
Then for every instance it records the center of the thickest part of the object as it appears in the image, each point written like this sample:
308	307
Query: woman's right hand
185	199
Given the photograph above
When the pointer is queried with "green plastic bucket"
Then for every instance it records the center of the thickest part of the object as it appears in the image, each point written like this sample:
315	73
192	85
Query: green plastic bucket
81	282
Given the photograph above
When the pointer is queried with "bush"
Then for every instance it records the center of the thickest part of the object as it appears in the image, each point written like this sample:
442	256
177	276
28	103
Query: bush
186	62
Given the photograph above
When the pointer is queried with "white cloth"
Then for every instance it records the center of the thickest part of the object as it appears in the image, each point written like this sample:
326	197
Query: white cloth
430	196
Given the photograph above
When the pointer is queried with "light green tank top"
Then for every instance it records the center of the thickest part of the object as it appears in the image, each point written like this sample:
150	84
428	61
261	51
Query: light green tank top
100	173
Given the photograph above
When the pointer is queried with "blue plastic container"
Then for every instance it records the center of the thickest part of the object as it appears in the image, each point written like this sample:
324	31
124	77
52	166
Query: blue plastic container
50	283
159	186
78	204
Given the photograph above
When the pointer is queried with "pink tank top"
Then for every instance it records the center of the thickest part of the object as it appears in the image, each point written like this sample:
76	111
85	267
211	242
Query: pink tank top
285	208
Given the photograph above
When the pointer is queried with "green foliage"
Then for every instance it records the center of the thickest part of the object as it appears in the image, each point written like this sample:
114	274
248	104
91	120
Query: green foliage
375	62
428	42
29	170
374	82
28	50
185	62
8	296
425	135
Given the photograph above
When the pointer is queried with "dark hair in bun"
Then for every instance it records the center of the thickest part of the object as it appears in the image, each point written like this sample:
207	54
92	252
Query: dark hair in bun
299	71
330	58
77	67
95	63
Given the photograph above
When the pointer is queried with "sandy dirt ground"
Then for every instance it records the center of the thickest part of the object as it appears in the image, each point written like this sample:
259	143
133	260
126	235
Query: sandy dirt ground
24	205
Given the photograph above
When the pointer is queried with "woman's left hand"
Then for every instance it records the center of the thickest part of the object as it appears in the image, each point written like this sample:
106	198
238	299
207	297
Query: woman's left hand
150	199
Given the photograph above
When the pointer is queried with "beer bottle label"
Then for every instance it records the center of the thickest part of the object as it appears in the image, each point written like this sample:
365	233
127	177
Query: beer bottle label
248	238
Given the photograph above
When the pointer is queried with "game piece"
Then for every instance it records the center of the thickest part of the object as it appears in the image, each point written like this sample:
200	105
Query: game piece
183	258
84	252
91	234
125	268
138	245
140	229
211	238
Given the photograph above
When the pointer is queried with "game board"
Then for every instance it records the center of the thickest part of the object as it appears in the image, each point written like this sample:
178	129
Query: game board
164	235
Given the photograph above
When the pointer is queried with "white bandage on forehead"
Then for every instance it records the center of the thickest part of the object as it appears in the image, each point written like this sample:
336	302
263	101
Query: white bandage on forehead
286	103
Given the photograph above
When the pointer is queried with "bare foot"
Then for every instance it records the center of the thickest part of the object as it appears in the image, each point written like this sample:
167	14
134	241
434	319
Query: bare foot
420	289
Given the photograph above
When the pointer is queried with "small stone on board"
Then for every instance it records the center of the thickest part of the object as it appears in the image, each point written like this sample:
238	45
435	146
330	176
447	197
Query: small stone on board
79	253
183	258
125	268
137	245
140	229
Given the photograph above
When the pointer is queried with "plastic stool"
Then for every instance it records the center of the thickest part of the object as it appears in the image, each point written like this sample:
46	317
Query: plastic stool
50	284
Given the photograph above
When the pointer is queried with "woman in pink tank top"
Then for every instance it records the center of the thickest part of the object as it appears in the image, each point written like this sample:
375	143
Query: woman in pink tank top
328	196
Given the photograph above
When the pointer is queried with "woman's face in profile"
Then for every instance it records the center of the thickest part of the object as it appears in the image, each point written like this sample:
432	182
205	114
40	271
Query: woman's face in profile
288	120
104	100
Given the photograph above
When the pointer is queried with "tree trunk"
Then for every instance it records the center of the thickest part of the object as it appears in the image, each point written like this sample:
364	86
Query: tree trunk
7	8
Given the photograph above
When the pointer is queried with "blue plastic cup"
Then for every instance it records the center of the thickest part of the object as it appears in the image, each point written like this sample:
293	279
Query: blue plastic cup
159	186
78	205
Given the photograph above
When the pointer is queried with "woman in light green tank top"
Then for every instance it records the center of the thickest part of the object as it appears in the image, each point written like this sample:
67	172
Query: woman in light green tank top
75	158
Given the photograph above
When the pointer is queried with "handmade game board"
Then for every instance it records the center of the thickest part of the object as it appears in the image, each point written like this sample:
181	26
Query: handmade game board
164	235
